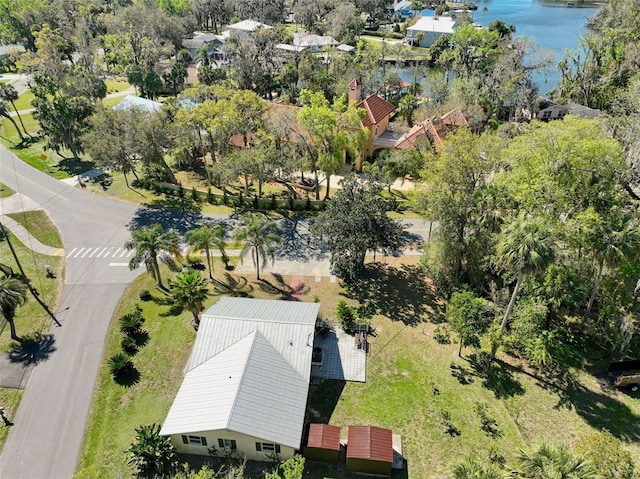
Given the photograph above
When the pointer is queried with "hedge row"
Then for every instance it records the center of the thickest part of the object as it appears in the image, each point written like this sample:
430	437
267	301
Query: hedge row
241	201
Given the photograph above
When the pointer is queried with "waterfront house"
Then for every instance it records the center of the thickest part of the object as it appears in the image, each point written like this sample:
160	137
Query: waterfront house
430	29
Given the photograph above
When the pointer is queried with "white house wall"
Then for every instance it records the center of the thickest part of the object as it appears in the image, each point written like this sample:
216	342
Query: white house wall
246	445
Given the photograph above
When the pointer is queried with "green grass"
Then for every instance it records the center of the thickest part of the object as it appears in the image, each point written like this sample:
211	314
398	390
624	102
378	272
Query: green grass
116	85
5	191
24	101
411	381
38	224
110	102
10	400
55	165
30	317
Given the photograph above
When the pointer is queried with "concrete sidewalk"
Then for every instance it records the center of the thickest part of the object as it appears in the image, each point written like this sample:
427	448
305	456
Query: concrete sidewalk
18	203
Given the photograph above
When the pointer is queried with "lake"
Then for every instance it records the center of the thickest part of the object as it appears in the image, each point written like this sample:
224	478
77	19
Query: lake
551	24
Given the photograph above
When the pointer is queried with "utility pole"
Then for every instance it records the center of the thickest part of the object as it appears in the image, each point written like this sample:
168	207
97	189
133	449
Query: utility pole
5	233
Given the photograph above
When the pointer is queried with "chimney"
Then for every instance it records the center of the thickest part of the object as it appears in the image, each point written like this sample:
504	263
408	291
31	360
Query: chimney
354	91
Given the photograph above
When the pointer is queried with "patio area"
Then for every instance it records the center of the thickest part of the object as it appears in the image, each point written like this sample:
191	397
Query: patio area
337	356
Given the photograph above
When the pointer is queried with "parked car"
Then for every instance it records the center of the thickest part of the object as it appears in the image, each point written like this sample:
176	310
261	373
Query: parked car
625	374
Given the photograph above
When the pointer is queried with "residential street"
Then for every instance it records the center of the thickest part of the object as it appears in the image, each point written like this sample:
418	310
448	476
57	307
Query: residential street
49	425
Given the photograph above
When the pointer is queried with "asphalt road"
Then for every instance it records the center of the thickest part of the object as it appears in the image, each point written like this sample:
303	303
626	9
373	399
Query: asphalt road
49	425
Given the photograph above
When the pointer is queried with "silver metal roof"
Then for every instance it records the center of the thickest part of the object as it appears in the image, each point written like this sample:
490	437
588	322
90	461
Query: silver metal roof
249	371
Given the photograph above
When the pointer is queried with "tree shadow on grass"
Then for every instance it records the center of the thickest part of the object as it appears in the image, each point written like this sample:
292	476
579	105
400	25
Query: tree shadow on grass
462	374
600	409
400	294
75	166
497	376
280	288
32	349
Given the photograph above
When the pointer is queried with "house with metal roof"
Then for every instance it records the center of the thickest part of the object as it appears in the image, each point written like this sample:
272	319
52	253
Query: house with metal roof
428	30
247	380
244	28
131	101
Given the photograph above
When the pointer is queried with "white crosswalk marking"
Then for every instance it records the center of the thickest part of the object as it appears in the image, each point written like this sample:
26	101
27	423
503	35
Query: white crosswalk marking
115	253
130	253
124	251
85	253
94	252
79	251
71	252
100	254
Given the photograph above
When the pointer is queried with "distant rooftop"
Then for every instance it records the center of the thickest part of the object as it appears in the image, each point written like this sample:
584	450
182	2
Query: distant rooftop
434	24
131	101
249	26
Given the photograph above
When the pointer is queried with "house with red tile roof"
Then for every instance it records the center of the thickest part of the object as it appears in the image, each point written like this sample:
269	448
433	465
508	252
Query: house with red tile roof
376	118
432	130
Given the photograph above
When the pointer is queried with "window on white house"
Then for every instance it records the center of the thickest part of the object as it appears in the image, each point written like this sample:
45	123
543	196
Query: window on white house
268	447
194	440
227	444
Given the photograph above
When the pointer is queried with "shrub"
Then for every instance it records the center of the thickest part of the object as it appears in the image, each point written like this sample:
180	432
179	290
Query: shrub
181	192
194	194
145	295
129	345
120	365
131	323
274	204
346	315
210	198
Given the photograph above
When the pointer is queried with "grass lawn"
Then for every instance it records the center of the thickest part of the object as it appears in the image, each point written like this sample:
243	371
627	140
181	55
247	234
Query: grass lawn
5	191
114	85
10	400
412	383
40	226
24	101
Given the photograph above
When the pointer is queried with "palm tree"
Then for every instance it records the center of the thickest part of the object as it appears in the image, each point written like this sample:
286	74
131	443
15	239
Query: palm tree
8	93
4	112
13	293
472	468
549	462
259	235
189	291
406	107
152	244
206	237
152	455
525	246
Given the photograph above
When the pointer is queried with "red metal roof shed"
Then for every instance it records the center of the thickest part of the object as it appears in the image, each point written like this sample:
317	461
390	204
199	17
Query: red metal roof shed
323	443
370	449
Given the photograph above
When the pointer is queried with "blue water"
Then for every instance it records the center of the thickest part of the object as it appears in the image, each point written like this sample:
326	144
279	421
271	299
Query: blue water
550	24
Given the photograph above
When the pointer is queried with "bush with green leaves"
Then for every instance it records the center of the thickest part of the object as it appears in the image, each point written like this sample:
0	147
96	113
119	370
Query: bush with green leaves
120	365
152	455
346	315
131	323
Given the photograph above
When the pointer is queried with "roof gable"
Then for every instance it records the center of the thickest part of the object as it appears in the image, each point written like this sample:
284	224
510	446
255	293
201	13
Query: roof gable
324	436
272	397
368	442
376	109
207	394
287	325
